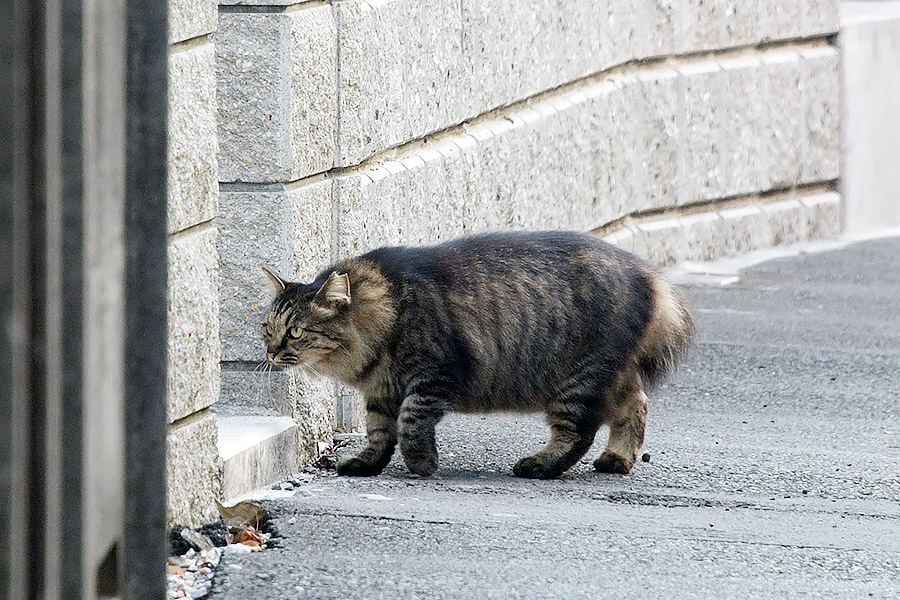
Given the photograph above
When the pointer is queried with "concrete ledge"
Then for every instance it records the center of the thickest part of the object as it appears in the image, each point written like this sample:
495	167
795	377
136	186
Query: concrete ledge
255	452
191	18
731	231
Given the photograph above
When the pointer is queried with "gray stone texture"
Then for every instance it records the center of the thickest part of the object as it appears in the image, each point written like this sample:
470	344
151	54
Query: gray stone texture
190	19
702	25
255	392
658	27
313	400
821	84
276	77
823	216
193	171
821	17
781	19
658	110
743	229
193	321
787	222
701	91
409	68
742	126
288	231
741	23
194	472
782	126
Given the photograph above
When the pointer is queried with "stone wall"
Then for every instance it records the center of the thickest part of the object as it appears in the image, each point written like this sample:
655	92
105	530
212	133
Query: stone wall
193	383
679	129
306	131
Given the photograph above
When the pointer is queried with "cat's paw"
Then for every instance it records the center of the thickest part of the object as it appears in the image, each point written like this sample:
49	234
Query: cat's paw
355	467
422	464
534	467
613	463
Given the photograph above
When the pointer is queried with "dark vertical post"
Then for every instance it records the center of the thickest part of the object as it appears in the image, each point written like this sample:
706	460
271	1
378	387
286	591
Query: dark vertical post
144	548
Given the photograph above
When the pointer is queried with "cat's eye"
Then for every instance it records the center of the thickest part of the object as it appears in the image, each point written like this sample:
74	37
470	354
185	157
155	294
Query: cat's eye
295	332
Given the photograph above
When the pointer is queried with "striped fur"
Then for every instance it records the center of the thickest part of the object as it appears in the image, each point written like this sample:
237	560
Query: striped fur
555	322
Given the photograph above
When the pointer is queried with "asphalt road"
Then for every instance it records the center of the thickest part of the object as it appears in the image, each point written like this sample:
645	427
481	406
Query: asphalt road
774	473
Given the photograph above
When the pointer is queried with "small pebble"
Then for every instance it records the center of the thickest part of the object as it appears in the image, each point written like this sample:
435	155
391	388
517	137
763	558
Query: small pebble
286	486
645	457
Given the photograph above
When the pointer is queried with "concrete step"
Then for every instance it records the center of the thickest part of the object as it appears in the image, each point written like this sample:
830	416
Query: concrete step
256	452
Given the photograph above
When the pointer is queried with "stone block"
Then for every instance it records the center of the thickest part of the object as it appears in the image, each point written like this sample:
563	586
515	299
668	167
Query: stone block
193	321
658	144
786	222
256	452
191	18
824	215
254	392
781	19
287	230
370	206
276	76
658	27
782	125
409	68
742	125
193	171
741	23
821	17
821	84
702	25
703	236
743	229
313	400
194	472
701	106
664	242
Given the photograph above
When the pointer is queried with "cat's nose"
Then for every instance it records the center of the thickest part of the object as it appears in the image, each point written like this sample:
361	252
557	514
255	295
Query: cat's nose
270	355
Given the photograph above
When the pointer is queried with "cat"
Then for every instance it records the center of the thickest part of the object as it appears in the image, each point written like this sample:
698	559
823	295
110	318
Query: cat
557	322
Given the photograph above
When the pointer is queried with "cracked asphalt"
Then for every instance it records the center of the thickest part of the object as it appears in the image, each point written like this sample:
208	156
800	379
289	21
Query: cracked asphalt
774	472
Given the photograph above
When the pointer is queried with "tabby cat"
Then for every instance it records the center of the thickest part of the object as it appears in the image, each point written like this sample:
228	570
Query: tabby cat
556	322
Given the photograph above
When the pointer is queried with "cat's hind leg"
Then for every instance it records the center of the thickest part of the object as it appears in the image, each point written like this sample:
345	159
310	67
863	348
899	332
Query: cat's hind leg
381	434
626	416
573	424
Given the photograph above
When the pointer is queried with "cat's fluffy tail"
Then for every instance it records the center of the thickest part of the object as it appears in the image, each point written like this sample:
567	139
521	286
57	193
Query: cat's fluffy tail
668	335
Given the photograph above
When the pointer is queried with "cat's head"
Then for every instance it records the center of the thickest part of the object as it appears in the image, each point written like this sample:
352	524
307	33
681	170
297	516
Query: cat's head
308	323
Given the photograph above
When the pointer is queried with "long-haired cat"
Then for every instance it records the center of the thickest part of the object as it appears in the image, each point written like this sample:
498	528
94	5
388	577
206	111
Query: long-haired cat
556	322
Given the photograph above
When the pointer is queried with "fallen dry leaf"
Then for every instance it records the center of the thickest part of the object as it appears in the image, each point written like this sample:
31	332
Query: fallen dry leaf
242	513
173	570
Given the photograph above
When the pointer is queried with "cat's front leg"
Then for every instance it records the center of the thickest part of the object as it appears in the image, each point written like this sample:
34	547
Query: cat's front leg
381	434
419	414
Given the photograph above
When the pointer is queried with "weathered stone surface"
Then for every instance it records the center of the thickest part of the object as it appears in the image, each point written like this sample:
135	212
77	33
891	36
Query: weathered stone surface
392	51
702	25
276	76
287	231
193	170
194	475
193	321
191	18
743	229
741	22
782	125
742	126
260	392
786	222
658	146
701	144
823	216
821	80
781	19
313	400
256	451
703	236
658	27
821	16
663	241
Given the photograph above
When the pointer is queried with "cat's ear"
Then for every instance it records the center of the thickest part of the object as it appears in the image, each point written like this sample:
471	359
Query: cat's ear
278	284
335	292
